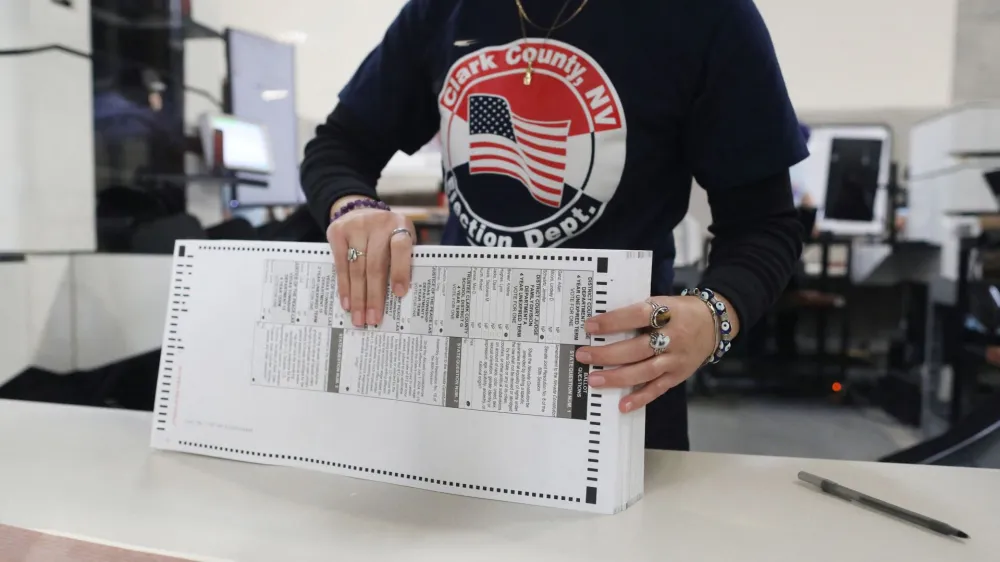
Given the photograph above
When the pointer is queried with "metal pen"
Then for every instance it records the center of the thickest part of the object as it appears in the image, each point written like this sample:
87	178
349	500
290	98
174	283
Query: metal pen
844	493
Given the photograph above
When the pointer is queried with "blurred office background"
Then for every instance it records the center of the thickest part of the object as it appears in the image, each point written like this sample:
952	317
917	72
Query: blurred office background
887	347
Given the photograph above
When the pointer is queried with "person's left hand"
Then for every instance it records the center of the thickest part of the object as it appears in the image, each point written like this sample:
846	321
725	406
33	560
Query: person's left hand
692	334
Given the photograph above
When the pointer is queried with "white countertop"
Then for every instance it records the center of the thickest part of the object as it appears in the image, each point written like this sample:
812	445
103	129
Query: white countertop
90	472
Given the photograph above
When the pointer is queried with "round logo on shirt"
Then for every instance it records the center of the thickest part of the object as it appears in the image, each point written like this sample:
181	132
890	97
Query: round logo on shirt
530	165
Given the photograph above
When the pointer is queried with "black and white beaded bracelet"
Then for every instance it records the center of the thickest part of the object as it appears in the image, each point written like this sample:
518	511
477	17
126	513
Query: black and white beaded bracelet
723	327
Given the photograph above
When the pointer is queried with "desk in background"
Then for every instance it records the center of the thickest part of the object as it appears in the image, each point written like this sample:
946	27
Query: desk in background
429	222
89	472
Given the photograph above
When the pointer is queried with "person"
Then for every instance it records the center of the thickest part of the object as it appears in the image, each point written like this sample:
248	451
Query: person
578	124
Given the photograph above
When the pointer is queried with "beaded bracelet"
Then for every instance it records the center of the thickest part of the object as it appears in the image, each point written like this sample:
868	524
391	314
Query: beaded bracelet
720	314
359	204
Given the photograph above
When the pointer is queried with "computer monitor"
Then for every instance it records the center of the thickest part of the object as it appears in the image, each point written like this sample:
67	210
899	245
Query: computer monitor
852	179
261	89
233	145
847	174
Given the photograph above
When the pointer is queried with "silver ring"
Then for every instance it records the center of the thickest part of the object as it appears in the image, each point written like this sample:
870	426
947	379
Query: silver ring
659	316
401	231
658	341
353	254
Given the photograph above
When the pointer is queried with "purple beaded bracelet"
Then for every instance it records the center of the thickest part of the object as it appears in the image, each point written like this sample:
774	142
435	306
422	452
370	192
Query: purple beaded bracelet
359	204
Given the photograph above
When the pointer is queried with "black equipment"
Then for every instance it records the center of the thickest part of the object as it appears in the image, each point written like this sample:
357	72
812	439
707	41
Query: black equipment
973	442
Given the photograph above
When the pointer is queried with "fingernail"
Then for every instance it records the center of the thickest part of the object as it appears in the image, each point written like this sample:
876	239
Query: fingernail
399	289
358	319
345	303
590	326
628	407
372	318
596	380
583	356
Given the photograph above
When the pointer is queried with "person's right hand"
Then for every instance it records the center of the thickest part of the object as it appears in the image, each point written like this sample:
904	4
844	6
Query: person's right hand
385	239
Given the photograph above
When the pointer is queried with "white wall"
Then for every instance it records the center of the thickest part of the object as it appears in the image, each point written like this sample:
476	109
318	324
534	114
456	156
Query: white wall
15	351
977	66
46	139
119	306
865	54
65	313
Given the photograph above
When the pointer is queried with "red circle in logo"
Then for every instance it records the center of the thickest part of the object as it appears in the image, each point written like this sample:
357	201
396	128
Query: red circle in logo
530	163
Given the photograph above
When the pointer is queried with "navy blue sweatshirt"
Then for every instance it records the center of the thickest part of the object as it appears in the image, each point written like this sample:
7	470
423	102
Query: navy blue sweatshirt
626	105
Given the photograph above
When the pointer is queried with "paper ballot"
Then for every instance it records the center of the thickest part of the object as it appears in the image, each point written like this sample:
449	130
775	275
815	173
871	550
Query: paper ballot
470	386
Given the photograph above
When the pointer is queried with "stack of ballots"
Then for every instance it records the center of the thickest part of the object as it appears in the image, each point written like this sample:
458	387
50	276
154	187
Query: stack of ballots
470	386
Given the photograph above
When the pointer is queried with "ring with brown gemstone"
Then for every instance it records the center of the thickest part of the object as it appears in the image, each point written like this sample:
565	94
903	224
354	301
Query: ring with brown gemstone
659	316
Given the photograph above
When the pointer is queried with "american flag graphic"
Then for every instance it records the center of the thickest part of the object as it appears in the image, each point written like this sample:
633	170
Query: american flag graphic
531	152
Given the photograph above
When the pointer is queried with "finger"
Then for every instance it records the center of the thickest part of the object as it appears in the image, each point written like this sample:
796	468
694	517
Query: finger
624	352
631	317
401	259
338	244
634	374
377	271
357	273
653	390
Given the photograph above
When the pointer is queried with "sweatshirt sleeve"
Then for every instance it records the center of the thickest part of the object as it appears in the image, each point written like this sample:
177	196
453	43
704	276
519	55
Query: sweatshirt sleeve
388	105
757	246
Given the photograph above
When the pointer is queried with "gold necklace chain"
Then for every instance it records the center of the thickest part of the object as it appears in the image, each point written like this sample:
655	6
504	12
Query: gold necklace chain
555	25
523	17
